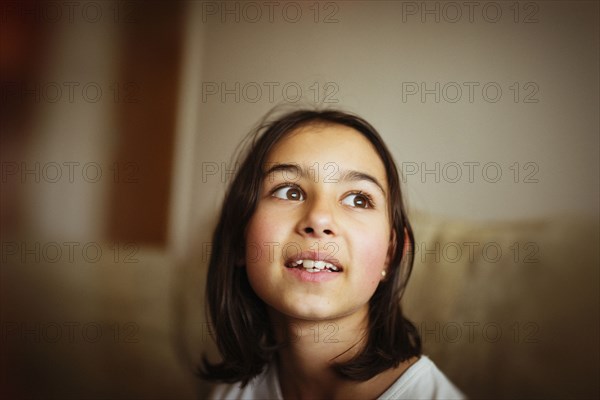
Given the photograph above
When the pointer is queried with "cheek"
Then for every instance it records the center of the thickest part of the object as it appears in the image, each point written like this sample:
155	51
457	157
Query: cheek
258	232
263	239
371	259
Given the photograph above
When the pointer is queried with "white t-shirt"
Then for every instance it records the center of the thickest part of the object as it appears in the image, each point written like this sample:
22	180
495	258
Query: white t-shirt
422	380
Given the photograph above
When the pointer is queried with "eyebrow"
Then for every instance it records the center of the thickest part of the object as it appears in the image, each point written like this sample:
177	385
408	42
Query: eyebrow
345	175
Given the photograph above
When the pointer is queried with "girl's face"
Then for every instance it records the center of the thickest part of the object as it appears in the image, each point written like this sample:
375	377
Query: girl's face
324	198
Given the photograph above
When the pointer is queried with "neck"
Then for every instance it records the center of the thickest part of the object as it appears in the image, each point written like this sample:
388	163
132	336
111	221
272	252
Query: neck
305	364
313	347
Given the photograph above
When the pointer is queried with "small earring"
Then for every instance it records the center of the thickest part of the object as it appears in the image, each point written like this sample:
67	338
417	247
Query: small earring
383	273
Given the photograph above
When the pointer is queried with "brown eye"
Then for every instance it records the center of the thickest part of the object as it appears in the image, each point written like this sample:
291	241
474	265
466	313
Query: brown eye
357	200
289	193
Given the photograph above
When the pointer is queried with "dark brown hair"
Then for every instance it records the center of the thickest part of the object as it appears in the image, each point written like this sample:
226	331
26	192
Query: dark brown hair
239	317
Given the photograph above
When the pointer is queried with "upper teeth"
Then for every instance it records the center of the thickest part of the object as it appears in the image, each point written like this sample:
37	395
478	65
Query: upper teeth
314	265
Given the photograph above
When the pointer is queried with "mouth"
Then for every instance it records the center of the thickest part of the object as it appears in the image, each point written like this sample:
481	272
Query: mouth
314	262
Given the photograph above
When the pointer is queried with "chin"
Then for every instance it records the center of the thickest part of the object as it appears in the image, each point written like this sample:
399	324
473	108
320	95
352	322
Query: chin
307	311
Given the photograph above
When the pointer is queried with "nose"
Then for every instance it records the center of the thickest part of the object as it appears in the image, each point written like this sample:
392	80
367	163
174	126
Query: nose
317	220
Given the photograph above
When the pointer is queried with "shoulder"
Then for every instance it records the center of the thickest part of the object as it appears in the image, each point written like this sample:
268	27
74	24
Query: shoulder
423	380
263	386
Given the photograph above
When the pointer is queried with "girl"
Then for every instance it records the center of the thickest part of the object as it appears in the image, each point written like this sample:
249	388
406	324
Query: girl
311	255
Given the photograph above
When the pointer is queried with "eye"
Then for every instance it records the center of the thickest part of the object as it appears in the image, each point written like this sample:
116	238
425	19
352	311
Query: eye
358	200
289	192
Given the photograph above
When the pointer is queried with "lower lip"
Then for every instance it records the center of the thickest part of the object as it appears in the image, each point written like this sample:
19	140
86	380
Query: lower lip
306	276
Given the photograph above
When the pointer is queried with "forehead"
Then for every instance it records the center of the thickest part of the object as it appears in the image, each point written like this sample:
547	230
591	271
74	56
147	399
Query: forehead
329	143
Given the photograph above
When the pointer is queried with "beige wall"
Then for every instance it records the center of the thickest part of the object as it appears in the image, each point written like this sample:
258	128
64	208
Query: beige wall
371	54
